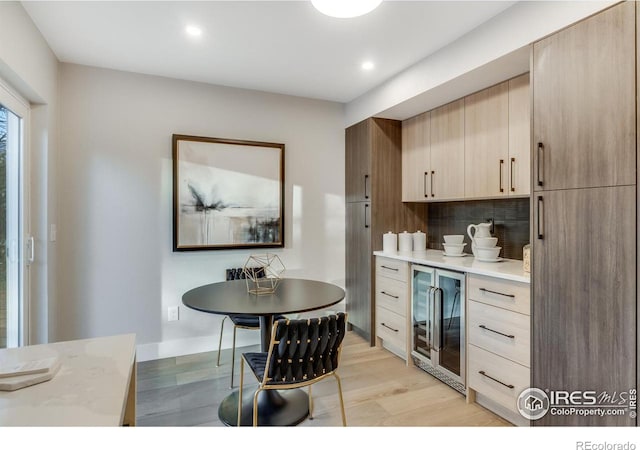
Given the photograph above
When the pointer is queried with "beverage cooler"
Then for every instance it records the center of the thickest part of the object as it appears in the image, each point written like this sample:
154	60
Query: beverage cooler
438	325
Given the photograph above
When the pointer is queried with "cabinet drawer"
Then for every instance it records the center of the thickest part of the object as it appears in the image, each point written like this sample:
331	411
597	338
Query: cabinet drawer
392	295
392	328
502	293
392	268
503	332
515	376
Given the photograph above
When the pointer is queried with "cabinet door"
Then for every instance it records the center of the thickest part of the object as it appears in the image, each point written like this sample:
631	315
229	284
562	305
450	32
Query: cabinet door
584	103
519	136
358	162
584	295
486	146
415	159
358	267
447	151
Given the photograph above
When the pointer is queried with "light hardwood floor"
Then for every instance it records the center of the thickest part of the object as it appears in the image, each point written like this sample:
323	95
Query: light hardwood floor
379	390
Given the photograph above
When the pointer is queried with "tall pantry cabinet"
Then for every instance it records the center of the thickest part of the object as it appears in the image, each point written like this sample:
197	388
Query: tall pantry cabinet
584	271
373	192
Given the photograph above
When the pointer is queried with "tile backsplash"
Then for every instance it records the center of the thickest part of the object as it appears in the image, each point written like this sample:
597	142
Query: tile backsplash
510	216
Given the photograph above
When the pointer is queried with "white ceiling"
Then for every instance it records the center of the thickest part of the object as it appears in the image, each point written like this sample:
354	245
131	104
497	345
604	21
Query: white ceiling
277	46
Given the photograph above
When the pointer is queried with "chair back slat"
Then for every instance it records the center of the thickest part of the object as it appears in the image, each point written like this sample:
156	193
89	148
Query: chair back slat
305	349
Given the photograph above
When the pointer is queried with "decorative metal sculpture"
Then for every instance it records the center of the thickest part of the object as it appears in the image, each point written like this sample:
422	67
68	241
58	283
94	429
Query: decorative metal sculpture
263	273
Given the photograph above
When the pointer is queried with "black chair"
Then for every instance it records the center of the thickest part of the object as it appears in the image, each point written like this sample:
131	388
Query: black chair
301	353
243	321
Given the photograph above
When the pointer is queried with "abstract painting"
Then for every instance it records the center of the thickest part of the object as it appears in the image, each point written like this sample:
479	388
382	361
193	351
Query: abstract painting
227	194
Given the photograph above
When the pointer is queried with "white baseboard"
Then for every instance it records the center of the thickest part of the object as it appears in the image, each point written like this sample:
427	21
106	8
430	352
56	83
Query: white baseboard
189	346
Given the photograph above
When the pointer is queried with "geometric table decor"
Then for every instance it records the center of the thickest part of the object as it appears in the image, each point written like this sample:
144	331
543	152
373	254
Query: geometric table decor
263	273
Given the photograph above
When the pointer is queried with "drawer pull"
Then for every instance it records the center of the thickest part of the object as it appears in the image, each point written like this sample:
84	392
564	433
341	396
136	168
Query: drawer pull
498	293
389	295
389	268
482	372
387	326
510	336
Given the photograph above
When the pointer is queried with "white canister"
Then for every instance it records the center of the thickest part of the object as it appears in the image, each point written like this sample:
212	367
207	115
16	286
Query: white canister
405	243
390	243
419	242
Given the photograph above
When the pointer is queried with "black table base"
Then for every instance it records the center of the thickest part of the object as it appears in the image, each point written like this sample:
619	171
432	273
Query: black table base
275	408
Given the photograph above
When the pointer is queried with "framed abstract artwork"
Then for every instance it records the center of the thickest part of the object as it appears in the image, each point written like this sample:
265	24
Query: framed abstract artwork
227	194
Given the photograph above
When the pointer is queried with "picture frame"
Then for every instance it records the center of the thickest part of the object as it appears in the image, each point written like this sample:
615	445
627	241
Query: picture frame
227	194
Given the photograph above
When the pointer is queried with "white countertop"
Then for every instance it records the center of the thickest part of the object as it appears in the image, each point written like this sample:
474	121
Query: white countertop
90	388
507	269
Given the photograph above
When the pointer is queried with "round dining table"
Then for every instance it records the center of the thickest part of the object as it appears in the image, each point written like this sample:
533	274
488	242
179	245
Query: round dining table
292	295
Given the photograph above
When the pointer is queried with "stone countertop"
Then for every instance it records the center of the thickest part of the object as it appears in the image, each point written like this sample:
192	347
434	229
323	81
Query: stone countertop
507	269
90	389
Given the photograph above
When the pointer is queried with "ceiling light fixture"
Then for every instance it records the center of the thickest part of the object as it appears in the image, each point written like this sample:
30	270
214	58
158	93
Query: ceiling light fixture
367	65
344	9
193	31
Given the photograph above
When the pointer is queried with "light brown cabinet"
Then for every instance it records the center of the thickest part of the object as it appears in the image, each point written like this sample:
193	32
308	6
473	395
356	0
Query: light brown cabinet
416	156
584	247
519	137
584	103
486	142
475	147
447	152
373	185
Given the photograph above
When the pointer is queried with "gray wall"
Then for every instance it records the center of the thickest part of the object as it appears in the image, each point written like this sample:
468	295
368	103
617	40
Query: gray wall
118	273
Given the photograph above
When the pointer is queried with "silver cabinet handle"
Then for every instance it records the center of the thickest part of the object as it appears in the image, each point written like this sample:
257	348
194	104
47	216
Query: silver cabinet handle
510	336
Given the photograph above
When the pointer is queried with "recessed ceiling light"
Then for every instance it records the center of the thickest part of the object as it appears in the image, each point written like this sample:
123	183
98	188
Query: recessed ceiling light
345	8
367	65
194	31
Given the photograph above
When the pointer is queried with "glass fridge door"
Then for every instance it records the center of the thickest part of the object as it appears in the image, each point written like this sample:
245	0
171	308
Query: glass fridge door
422	284
450	301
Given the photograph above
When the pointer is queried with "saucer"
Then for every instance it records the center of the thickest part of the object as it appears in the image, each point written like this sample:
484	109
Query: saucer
490	260
455	256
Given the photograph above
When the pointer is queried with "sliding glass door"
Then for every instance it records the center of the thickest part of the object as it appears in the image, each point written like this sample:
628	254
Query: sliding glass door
13	304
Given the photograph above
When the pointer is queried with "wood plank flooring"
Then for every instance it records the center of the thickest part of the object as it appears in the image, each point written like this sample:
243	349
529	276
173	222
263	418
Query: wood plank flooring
379	390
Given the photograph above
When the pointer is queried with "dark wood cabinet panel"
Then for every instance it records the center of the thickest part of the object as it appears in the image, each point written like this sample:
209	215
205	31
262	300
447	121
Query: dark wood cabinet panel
584	130
584	295
358	266
373	148
358	162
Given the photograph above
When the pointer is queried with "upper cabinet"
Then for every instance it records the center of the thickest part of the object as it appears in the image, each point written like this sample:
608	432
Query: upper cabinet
358	163
447	152
519	136
416	169
575	109
486	142
476	147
